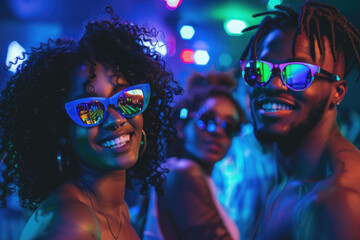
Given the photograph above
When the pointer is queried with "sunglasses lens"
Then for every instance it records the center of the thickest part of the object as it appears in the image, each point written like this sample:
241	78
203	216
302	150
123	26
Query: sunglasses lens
297	76
204	119
207	121
256	73
131	102
230	129
211	126
90	112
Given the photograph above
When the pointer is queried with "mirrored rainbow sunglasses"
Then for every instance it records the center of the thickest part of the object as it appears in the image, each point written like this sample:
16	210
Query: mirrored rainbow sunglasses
91	111
297	76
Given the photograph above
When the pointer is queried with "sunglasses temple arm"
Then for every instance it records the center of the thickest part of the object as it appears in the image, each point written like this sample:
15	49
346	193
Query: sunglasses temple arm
329	74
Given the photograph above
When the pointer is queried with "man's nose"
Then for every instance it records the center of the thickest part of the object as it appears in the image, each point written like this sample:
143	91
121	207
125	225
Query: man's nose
275	82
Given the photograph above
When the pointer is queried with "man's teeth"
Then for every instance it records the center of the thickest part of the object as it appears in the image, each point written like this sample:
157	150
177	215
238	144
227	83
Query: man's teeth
117	142
272	107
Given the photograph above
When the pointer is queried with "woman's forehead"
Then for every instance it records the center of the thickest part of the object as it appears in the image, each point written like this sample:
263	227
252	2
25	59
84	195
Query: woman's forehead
102	85
221	105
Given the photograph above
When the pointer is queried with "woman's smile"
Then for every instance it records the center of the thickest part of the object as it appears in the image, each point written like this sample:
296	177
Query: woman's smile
116	142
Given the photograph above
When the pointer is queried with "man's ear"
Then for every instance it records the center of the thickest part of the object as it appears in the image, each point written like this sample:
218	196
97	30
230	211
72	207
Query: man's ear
180	129
340	91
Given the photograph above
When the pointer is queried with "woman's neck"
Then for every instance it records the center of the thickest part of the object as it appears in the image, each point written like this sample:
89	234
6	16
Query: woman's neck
107	187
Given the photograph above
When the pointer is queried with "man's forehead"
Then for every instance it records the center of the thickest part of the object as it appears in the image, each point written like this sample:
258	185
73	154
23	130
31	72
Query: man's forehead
277	48
303	48
277	43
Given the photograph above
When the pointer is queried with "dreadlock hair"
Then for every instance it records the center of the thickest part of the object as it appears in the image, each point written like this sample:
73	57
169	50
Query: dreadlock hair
316	20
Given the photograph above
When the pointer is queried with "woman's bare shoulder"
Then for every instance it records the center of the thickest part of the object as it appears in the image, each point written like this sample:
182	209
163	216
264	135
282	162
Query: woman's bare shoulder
62	216
184	176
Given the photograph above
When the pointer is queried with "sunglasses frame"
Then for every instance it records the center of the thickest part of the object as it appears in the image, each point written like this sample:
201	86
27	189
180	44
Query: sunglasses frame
313	68
197	116
113	100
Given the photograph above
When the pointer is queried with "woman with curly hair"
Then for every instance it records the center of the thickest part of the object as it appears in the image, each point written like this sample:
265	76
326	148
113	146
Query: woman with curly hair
80	121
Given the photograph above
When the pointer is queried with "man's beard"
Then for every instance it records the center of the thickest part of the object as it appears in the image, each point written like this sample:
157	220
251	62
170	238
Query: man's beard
291	140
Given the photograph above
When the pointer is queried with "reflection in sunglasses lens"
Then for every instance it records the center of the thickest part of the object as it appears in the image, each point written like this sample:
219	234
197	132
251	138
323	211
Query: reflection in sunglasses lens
131	102
91	112
297	76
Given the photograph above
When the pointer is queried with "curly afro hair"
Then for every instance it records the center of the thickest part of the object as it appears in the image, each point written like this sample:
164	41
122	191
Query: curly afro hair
33	121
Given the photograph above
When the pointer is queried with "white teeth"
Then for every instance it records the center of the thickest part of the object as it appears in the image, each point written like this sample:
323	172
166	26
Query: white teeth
117	142
273	107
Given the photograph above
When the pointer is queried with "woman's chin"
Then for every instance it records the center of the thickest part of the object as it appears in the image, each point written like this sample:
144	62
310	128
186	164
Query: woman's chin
126	162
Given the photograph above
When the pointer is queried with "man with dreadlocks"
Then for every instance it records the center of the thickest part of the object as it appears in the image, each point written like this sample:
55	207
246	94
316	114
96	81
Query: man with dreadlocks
296	66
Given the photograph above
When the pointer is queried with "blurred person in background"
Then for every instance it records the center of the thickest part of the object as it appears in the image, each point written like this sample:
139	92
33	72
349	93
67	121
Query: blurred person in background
247	173
206	120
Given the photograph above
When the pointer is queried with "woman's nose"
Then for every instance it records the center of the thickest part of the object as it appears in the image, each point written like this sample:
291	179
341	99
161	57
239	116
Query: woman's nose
113	119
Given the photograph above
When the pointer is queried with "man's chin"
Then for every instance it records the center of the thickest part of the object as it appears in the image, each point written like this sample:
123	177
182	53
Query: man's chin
290	136
286	142
266	137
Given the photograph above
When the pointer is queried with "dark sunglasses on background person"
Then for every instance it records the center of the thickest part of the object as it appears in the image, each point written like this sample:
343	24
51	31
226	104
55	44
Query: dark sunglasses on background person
297	76
207	120
91	111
